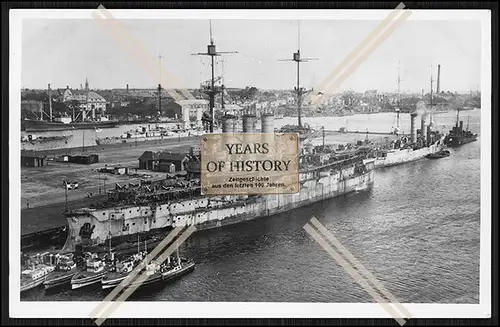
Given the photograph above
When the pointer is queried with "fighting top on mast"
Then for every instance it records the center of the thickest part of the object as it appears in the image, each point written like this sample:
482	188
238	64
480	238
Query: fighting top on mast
300	91
212	91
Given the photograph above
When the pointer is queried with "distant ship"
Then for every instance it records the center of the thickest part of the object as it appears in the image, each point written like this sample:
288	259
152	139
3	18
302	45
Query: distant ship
458	136
406	149
32	142
44	126
418	145
304	131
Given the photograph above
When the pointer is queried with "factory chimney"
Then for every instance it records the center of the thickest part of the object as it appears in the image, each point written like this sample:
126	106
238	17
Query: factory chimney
439	79
50	103
413	127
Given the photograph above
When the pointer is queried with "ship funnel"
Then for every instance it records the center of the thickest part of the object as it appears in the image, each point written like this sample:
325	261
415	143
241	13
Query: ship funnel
228	122
461	125
424	127
267	123
248	123
413	127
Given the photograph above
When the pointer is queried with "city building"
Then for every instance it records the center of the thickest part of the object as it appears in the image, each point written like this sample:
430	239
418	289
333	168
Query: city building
88	101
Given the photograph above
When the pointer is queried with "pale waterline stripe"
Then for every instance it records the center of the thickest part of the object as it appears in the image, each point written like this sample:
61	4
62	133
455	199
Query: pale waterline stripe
367	274
130	278
350	270
142	278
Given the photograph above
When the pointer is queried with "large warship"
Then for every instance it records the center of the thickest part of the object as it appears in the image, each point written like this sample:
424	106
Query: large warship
152	207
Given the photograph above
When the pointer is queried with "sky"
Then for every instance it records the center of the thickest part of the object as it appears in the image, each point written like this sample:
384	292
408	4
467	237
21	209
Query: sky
64	52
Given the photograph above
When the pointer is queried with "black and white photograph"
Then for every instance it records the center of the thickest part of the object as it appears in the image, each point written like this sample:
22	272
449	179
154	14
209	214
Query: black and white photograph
111	210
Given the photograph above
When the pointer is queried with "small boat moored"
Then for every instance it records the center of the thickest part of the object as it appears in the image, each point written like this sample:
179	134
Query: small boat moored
95	269
64	271
31	278
439	155
121	270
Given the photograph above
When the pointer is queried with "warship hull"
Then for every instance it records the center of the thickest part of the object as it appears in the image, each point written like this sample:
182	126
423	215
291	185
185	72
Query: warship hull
402	156
454	141
207	213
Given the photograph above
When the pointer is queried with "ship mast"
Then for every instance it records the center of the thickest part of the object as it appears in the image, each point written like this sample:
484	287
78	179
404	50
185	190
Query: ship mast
222	87
212	91
159	85
50	103
398	108
298	90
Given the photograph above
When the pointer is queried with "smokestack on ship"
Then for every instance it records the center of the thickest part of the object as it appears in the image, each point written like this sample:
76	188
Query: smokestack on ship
249	123
267	122
424	128
228	124
413	127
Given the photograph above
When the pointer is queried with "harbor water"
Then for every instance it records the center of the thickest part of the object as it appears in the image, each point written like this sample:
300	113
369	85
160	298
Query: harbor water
417	231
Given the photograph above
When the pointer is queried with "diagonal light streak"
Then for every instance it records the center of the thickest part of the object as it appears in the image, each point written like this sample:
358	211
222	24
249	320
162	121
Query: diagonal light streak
123	297
353	261
135	46
355	65
354	274
373	35
376	36
166	241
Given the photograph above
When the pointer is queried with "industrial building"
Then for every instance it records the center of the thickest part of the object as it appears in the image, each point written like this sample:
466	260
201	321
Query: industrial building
164	161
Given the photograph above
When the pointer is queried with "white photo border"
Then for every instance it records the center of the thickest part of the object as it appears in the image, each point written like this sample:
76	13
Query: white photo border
161	309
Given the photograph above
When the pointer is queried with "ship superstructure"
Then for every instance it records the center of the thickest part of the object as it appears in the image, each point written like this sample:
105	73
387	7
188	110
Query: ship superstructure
458	136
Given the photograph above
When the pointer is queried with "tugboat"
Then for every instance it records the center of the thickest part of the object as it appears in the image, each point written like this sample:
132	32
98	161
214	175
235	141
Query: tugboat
64	271
174	267
438	155
458	136
121	269
95	269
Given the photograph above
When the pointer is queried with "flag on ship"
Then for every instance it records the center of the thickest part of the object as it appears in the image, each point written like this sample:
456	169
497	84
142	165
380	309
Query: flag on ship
71	186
